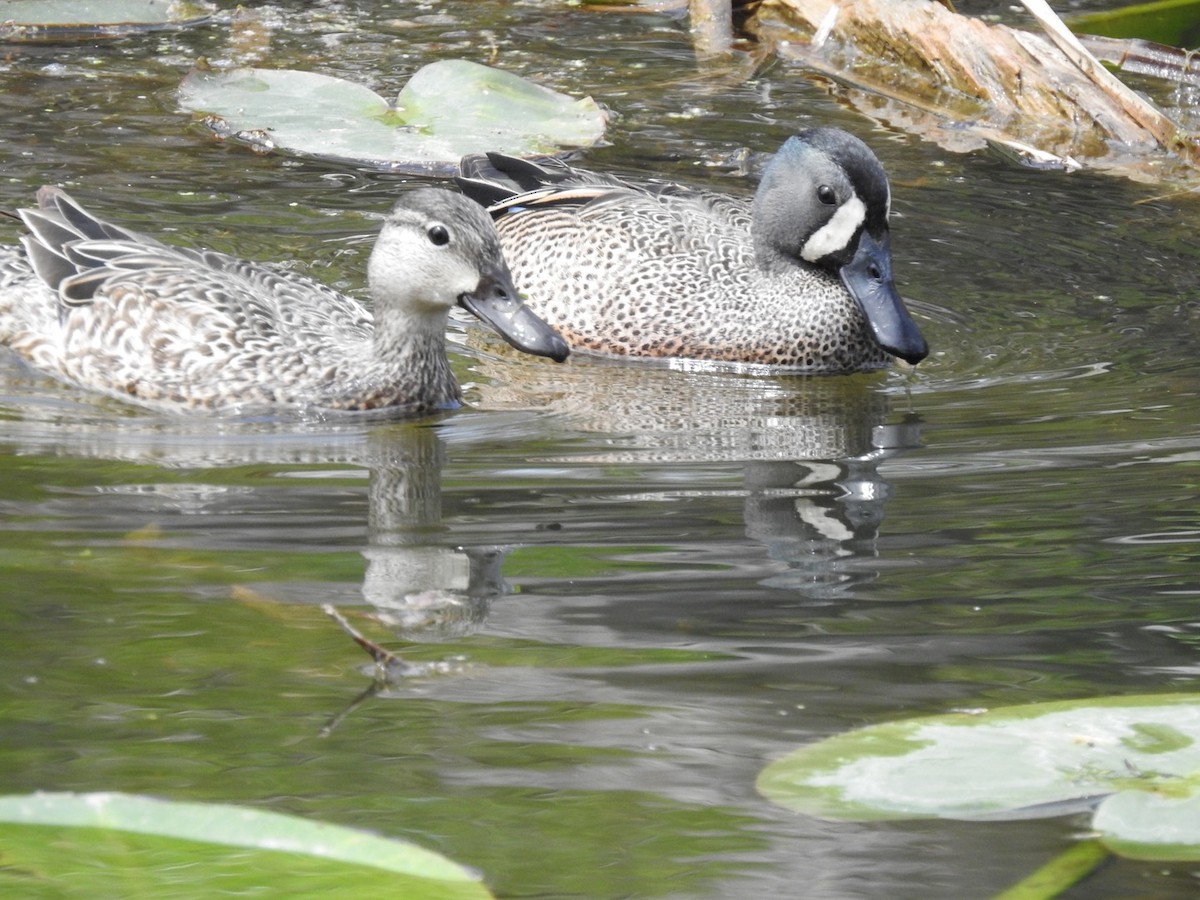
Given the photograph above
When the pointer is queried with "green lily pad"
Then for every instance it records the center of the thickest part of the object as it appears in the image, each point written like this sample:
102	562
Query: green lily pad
1151	825
1172	22
1017	762
126	845
51	20
448	109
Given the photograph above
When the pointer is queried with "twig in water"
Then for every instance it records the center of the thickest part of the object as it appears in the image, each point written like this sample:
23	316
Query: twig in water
389	666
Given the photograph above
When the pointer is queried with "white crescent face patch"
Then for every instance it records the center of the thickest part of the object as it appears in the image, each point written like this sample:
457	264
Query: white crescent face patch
835	234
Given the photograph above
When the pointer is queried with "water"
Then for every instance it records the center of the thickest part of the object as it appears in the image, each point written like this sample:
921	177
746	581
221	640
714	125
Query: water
624	589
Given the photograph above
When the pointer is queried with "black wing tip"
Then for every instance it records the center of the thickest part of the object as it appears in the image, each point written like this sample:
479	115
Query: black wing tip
484	192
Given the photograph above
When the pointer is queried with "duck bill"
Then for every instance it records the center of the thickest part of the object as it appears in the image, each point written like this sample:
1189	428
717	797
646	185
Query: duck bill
868	278
495	301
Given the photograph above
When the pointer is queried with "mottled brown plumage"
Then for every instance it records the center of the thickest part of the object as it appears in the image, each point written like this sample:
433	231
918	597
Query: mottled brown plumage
179	329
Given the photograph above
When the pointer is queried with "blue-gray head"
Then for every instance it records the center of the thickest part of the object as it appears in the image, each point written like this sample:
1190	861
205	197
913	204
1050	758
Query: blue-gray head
824	200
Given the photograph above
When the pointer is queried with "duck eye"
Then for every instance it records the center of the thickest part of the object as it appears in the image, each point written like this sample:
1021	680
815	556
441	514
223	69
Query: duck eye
826	195
439	235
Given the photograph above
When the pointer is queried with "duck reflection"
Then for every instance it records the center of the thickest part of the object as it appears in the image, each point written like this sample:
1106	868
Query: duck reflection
418	584
822	518
417	581
809	448
807	452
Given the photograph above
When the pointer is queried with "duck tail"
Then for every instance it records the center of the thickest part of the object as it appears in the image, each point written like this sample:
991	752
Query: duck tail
491	178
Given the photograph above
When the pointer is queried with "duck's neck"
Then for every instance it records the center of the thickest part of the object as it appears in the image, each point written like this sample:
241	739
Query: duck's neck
407	368
413	357
770	260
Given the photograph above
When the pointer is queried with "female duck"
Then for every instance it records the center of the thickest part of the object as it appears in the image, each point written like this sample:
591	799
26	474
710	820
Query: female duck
111	310
801	277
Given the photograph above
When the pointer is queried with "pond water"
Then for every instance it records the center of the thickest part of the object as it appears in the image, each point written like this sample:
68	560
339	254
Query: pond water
623	589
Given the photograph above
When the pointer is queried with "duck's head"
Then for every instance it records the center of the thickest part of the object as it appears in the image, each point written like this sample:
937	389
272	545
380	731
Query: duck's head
437	249
824	200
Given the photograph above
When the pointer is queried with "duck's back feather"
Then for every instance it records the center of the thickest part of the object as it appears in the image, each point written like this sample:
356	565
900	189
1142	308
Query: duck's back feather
123	313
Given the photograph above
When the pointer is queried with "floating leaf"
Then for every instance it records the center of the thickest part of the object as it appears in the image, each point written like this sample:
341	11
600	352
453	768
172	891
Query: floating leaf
447	109
1151	825
48	20
1016	762
1173	22
156	843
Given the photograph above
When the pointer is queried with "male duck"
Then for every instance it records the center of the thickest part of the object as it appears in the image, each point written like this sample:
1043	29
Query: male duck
801	277
111	310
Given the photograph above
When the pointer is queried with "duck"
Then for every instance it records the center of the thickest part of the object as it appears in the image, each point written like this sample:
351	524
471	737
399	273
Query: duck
798	277
110	310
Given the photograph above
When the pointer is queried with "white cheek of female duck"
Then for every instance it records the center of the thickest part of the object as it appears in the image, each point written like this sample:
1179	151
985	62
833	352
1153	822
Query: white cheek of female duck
465	268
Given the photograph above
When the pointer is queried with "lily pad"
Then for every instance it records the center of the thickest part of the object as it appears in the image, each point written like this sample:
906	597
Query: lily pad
1016	762
1151	825
127	845
51	20
1172	22
448	109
